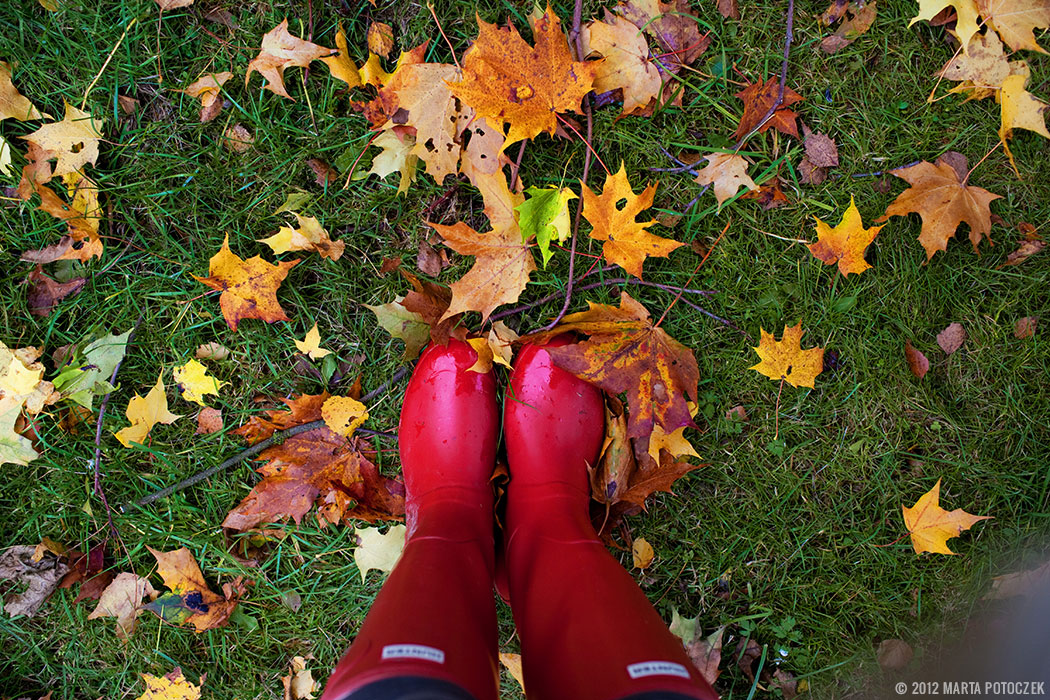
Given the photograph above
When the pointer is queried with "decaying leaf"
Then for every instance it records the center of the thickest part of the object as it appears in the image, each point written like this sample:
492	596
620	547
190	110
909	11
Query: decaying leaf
237	138
144	413
249	287
625	240
309	236
758	98
511	83
300	683
930	526
122	599
172	4
951	338
72	143
190	599
786	360
1032	582
845	244
36	579
917	362
820	149
209	421
194	382
172	685
343	415
208	90
944	201
728	173
1024	251
281	50
212	351
1015	21
512	662
642	553
45	293
1026	327
378	550
860	18
311	344
894	654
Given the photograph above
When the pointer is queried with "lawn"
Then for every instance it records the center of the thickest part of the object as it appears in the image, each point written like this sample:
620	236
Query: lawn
791	535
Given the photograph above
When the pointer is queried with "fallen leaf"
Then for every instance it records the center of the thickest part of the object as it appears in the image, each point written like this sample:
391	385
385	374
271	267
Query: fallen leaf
495	347
280	50
194	382
820	149
122	599
211	351
545	216
209	91
343	415
380	38
930	526
672	25
396	157
300	683
1033	582
642	553
746	659
311	344
237	139
171	5
173	685
317	466
144	413
1015	21
190	599
727	172
1026	250
617	462
81	213
845	244
728	9
340	64
706	654
209	421
966	10
378	550
737	413
786	360
768	196
88	373
894	654
511	83
431	302
784	680
23	391
1020	109
429	260
1026	327
758	98
309	236
72	143
249	287
861	17
951	338
403	324
625	240
627	353
12	104
810	174
943	201
324	175
917	362
89	570
512	662
44	293
626	65
35	579
982	67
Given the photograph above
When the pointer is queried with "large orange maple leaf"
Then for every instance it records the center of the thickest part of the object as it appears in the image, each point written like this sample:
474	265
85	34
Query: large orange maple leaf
510	82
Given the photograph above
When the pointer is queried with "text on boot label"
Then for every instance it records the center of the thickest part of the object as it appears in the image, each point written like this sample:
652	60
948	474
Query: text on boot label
413	651
657	668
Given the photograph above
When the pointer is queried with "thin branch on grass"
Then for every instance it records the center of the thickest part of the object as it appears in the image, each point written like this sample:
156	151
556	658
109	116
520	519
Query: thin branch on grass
788	38
516	167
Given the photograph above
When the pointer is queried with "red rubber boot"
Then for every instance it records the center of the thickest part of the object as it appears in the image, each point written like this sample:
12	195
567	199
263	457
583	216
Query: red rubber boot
435	617
586	629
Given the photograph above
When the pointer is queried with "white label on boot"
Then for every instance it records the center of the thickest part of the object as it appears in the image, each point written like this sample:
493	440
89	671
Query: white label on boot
657	668
413	651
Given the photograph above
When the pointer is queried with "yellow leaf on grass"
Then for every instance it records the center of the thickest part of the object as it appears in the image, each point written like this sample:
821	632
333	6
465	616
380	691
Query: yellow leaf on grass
12	104
300	683
279	51
965	27
172	686
144	413
512	662
397	156
309	236
72	142
194	381
786	360
208	90
930	526
377	550
311	344
343	415
727	172
340	65
626	63
845	244
642	553
1015	20
1019	110
380	38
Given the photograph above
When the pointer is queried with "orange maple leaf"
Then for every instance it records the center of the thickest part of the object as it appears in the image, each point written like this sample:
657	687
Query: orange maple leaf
758	98
190	599
930	526
627	353
510	82
279	51
786	360
627	243
845	244
626	66
249	287
943	199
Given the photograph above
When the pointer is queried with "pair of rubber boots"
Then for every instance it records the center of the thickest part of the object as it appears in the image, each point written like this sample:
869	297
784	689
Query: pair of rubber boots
587	631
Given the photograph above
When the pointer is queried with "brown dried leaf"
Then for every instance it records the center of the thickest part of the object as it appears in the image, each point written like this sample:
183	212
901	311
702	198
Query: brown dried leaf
951	338
917	362
45	293
1026	327
894	654
209	421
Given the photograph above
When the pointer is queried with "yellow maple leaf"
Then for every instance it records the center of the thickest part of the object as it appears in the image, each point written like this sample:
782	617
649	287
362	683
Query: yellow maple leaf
378	550
21	389
930	526
1019	110
966	10
172	686
194	382
397	156
626	241
208	90
340	64
249	287
72	142
1015	20
845	244
279	51
146	412
626	63
309	236
495	347
343	415
510	82
674	442
12	104
727	172
311	344
786	360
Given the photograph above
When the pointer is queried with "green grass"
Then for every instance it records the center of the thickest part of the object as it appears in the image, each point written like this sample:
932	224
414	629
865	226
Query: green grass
773	528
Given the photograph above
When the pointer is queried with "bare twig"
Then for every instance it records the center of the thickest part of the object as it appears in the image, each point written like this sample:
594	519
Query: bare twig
516	167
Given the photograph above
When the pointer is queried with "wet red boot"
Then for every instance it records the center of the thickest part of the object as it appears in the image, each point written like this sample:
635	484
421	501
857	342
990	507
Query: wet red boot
586	629
432	628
